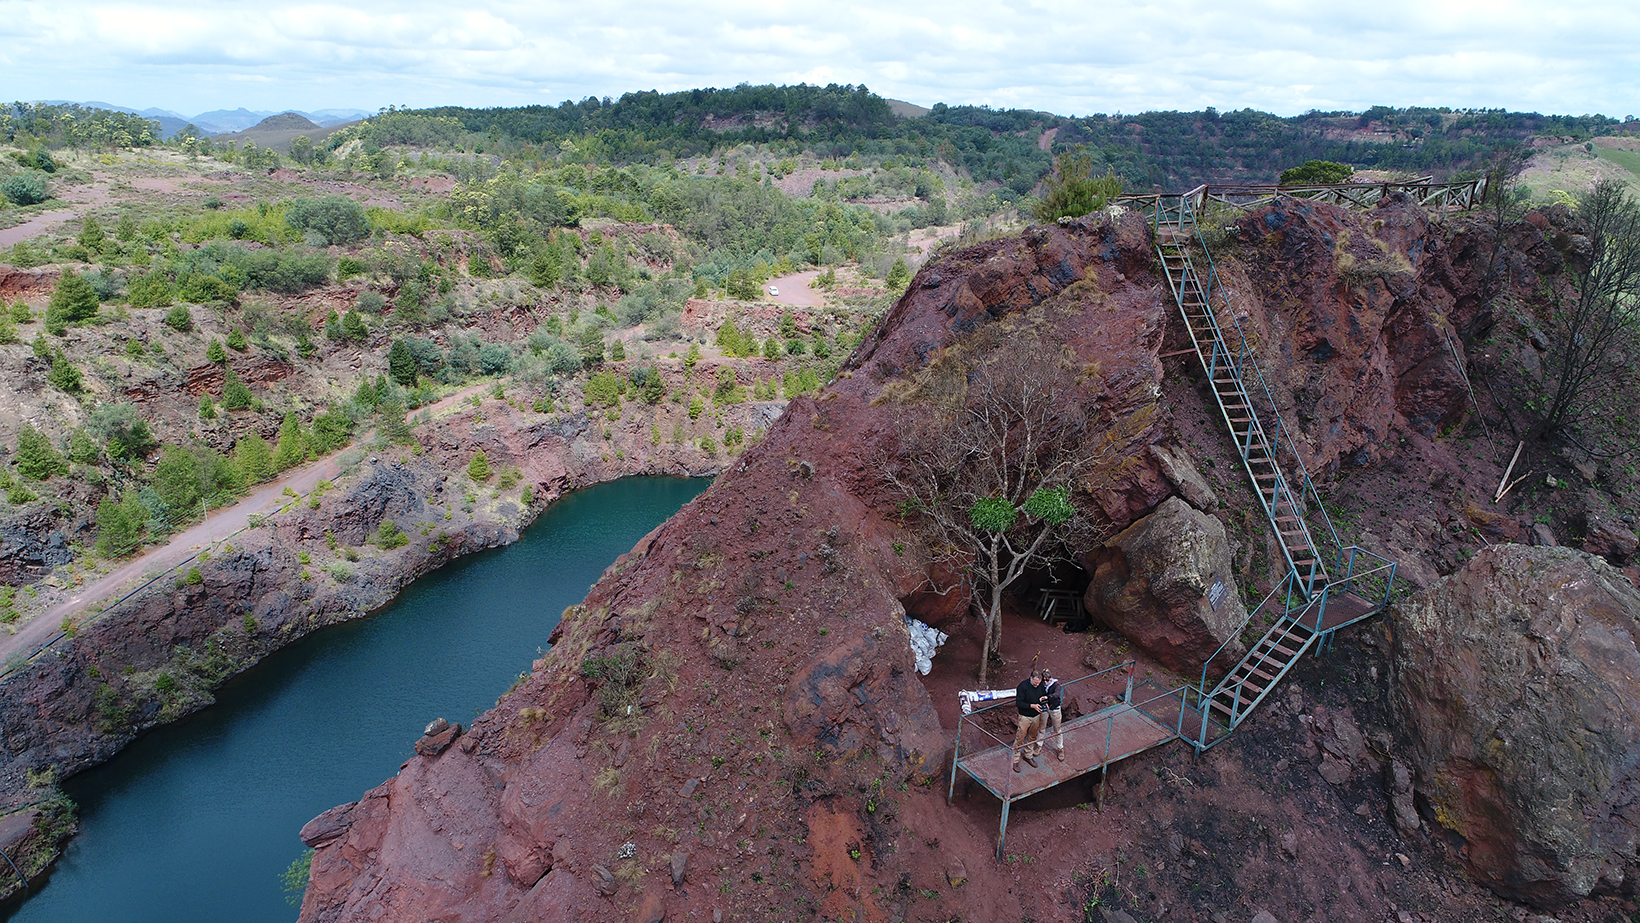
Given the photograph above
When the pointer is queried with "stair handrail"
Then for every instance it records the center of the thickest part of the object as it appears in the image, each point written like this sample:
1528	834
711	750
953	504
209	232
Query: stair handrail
1307	485
1283	584
1279	489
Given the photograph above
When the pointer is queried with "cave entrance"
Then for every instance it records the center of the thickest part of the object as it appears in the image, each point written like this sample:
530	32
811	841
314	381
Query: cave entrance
1027	639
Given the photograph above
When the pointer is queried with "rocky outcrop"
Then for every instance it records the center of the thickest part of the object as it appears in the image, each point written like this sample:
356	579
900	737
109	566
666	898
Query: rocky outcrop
1165	584
31	544
1353	317
774	600
1517	680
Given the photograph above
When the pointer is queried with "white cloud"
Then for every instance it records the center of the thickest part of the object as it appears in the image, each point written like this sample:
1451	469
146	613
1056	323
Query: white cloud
1279	55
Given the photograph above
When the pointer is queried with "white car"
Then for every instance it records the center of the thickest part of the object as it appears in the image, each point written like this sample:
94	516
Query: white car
774	292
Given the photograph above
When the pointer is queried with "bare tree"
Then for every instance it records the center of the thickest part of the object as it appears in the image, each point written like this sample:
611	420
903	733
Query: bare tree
1604	319
997	436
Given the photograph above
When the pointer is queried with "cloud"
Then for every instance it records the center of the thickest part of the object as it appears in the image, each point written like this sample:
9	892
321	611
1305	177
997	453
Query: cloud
1276	55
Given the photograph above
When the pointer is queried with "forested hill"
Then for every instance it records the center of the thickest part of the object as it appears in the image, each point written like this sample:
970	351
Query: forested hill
1149	150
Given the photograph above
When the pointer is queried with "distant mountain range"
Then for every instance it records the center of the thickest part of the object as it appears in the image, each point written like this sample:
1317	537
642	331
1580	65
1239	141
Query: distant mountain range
225	121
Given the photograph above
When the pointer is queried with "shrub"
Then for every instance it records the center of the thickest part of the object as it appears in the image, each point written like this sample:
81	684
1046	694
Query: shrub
1074	191
123	431
215	352
389	536
347	267
236	340
120	526
150	290
74	300
179	319
235	394
64	376
35	457
333	219
479	468
1316	172
24	189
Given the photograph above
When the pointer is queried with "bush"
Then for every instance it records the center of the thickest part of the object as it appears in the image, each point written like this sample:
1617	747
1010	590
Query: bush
235	394
24	189
1313	172
179	319
215	352
120	526
479	468
347	267
389	536
1074	191
35	457
74	300
334	219
150	290
123	431
64	376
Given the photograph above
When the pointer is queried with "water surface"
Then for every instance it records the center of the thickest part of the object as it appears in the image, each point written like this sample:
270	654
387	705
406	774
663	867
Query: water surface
196	821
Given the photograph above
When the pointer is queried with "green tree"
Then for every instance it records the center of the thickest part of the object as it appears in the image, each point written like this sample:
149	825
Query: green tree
292	448
123	431
254	458
592	347
24	189
215	352
617	351
180	483
21	314
236	341
301	150
771	349
8	328
207	410
353	328
1073	191
120	526
73	301
235	394
1316	173
82	449
899	275
179	319
479	468
654	387
64	376
35	457
401	363
91	234
333	219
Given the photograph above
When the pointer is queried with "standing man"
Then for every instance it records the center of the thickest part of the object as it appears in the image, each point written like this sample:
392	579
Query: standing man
1031	700
1051	718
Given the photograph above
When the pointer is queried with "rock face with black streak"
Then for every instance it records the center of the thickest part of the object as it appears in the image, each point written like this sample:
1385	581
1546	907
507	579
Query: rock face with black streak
1165	584
1518	680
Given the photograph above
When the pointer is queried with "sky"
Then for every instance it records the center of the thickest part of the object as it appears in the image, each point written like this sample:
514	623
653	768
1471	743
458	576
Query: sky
1070	58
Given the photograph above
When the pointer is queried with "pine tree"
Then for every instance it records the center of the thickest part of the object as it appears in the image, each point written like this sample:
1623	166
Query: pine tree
479	468
617	351
401	363
236	341
899	276
353	328
35	457
120	526
179	319
235	394
292	448
91	235
64	376
254	459
74	300
207	410
215	352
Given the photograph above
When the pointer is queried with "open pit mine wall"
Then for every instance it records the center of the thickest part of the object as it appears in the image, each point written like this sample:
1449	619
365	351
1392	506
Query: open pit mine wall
765	620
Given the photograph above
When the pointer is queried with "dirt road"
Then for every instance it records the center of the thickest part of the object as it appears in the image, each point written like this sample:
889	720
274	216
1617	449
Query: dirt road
45	627
794	290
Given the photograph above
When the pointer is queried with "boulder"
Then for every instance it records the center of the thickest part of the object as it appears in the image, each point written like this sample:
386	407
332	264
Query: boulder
1517	680
1611	540
1177	466
1165	584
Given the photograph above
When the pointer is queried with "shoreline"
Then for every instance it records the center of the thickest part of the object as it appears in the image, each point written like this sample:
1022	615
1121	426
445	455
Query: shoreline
77	704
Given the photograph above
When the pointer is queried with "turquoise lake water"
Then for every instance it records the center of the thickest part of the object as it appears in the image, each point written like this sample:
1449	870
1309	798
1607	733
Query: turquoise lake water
196	821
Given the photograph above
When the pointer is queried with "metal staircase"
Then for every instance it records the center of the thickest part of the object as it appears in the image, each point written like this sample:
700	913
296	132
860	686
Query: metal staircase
1293	507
